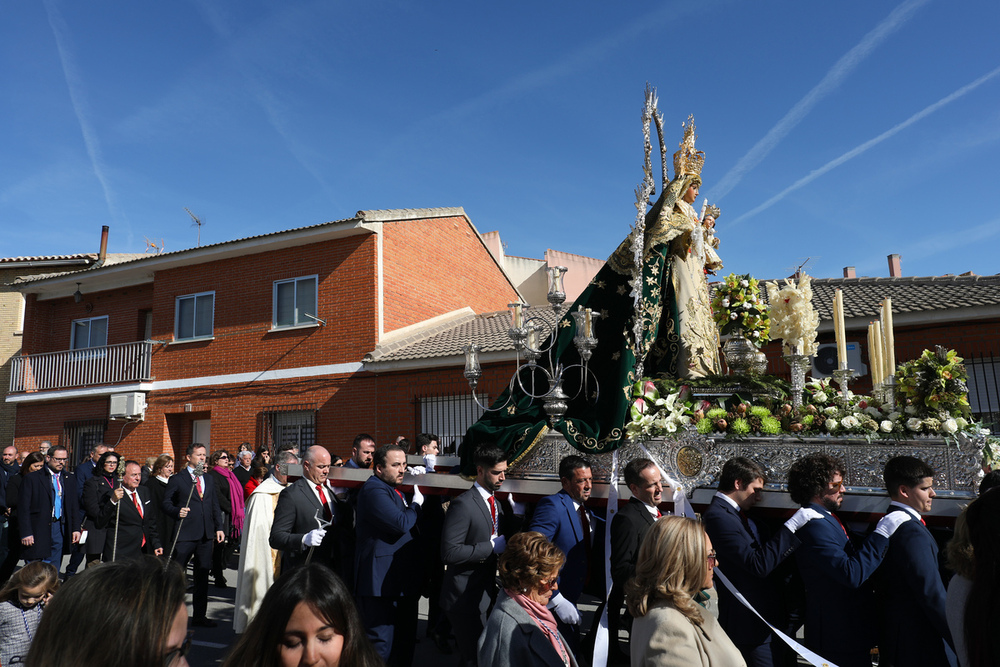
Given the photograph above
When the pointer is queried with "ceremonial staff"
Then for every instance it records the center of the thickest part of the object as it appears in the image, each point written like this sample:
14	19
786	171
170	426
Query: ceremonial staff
323	525
120	474
199	471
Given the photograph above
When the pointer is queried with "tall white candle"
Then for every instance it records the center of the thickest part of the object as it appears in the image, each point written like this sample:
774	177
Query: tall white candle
839	329
890	337
879	352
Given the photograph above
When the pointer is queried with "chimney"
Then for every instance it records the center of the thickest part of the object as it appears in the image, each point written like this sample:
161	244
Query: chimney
103	254
894	269
849	272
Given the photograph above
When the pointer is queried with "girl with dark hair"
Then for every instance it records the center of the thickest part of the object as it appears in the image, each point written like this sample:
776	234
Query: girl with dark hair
308	617
21	602
32	462
95	489
119	614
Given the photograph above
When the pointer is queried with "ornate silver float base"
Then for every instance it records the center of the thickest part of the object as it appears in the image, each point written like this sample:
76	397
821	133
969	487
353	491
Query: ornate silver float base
695	460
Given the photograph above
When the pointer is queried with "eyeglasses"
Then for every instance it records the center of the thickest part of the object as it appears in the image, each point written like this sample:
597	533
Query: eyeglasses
177	653
223	457
837	486
56	458
713	558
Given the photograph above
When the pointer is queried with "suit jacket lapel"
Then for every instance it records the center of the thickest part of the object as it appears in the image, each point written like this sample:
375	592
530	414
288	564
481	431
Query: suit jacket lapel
484	507
574	517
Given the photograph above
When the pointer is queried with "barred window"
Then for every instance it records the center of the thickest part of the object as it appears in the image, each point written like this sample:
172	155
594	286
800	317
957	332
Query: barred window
984	382
80	436
449	417
287	424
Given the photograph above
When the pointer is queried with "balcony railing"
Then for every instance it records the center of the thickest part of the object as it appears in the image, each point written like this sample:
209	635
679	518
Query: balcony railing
110	364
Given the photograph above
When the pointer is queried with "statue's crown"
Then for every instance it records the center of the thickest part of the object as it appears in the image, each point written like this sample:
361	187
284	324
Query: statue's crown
687	160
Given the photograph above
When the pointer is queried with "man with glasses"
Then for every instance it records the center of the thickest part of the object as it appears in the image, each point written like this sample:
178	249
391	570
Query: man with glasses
839	623
49	510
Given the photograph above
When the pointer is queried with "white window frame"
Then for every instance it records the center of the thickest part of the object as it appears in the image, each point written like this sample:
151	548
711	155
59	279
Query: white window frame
89	320
177	313
298	321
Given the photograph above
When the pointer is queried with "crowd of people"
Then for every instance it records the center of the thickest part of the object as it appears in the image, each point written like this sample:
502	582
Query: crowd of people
331	573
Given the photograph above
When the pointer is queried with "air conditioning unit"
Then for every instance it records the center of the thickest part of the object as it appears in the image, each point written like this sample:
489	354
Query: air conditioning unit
131	405
825	361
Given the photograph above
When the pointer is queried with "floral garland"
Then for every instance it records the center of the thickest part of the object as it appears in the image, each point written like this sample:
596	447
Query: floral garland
737	306
793	318
935	384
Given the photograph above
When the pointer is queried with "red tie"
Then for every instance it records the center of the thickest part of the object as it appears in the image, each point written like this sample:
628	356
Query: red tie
197	482
493	513
922	521
658	513
138	507
327	514
842	527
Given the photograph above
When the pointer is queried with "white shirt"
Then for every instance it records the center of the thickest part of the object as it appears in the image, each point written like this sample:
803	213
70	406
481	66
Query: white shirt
915	513
486	498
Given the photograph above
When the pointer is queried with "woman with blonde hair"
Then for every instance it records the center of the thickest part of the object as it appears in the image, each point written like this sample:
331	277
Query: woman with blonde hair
671	628
521	630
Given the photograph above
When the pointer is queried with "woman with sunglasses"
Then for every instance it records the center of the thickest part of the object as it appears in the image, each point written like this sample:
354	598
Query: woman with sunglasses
672	628
230	494
120	614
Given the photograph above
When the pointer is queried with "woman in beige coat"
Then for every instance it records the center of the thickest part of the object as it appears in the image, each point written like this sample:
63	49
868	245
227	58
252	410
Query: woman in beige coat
671	628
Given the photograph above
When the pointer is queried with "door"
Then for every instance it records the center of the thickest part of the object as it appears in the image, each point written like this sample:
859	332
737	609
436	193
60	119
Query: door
201	432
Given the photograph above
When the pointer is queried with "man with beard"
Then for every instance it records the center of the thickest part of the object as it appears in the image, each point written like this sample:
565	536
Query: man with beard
361	452
475	531
838	621
388	554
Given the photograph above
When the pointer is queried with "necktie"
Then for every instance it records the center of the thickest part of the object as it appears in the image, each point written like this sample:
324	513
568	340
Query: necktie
585	524
922	521
327	514
493	514
138	508
57	504
842	527
746	524
197	483
658	513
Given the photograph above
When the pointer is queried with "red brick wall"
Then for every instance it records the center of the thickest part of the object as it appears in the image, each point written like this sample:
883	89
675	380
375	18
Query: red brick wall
436	266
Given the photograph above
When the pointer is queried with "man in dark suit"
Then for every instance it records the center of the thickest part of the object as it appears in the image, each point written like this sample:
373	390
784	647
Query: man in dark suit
388	558
191	497
627	530
48	510
83	472
914	631
749	558
473	535
8	468
362	452
131	525
296	529
838	621
565	520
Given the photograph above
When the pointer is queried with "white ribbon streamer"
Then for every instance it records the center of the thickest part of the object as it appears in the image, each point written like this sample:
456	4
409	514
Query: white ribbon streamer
602	641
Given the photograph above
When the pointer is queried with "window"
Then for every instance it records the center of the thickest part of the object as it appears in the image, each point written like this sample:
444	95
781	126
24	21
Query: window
984	398
295	302
449	417
194	316
80	436
91	332
287	424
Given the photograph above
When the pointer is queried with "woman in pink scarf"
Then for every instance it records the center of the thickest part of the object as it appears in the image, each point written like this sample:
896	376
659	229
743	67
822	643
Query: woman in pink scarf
230	494
521	630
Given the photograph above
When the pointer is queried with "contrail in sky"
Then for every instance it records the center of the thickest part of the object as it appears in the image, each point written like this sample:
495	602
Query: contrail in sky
74	83
834	77
858	150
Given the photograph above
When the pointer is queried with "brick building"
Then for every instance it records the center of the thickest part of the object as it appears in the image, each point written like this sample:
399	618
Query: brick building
258	339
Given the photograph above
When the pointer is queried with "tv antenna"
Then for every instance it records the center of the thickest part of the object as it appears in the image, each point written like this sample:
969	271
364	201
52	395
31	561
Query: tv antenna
797	270
197	223
151	246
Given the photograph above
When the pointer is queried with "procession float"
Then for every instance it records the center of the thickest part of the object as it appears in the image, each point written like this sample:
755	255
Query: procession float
633	369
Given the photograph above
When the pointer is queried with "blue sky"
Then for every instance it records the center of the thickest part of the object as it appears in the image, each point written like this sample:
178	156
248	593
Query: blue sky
841	131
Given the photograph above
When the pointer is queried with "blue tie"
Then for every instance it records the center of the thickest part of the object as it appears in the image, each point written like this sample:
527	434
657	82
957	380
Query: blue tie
57	505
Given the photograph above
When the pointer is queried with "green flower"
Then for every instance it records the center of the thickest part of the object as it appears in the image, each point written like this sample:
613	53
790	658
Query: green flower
705	426
715	413
770	425
759	411
808	419
740	426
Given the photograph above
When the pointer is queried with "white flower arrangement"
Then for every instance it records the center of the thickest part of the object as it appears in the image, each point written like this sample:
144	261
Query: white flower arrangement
820	397
886	426
914	424
793	318
849	422
653	415
949	426
831	425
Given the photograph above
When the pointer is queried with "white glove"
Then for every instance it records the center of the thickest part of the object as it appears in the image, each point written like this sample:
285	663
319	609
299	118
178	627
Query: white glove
430	461
517	508
888	524
314	537
499	544
801	518
564	610
416	470
418	498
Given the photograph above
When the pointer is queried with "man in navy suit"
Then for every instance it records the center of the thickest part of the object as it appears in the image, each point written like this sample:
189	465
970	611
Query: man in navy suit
131	524
565	520
838	620
914	631
749	558
48	510
202	523
387	562
361	452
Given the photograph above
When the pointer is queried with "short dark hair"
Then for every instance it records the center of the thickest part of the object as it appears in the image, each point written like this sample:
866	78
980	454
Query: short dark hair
488	455
55	448
634	470
990	480
904	471
808	477
424	439
571	463
362	437
193	446
740	468
326	595
382	453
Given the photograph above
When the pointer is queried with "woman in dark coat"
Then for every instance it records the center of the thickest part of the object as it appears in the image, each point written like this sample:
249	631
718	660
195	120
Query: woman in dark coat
32	462
157	485
219	462
97	487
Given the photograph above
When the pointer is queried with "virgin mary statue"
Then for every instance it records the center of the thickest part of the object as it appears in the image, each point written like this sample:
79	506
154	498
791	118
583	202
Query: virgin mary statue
676	336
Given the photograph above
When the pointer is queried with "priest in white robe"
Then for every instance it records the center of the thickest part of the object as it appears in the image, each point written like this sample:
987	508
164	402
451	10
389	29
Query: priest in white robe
259	563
